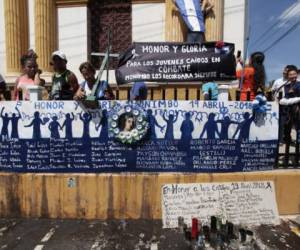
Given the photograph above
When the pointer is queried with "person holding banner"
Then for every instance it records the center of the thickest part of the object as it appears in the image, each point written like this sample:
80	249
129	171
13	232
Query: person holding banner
193	14
104	91
252	76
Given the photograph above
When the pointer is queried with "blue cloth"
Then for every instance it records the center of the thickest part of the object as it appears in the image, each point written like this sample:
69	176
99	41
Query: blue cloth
292	90
191	13
138	91
214	90
100	92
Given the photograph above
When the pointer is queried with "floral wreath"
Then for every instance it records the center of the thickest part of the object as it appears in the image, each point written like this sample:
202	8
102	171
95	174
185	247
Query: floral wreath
140	129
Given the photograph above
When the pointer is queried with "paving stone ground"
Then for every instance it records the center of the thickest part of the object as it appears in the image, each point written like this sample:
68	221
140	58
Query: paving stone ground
54	234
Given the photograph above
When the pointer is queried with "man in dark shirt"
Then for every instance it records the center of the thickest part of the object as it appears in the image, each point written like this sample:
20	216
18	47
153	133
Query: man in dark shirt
64	82
292	88
2	87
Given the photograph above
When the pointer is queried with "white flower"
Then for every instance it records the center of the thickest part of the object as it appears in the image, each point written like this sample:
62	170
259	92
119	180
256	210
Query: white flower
134	132
114	124
115	117
122	135
139	127
117	131
136	112
128	109
140	119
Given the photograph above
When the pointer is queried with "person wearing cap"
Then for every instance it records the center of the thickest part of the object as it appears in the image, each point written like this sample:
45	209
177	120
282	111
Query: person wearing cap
64	82
210	87
138	91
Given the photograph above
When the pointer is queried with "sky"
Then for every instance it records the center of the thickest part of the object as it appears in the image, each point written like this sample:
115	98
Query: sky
269	20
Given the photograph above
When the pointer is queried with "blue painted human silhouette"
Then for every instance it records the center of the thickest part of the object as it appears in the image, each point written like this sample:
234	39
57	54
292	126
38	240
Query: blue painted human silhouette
14	124
244	127
68	125
170	125
187	128
103	136
5	121
225	123
152	123
36	124
53	127
86	118
210	127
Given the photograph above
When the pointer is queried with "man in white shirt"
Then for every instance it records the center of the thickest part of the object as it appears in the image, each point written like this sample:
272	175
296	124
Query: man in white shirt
278	84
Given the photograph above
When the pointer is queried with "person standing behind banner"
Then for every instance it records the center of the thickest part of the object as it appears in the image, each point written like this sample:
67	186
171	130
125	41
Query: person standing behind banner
104	92
193	13
211	87
64	82
138	91
2	88
30	77
253	76
279	83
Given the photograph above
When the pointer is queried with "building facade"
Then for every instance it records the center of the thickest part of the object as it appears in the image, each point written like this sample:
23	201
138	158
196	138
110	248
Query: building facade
79	27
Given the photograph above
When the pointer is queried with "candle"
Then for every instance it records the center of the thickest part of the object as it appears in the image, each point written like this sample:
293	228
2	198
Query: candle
194	228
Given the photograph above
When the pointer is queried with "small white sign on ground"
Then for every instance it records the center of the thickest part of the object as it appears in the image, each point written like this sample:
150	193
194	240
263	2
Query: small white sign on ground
247	203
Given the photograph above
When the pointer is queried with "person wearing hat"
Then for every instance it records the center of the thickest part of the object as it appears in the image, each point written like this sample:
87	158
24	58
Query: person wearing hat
138	91
64	82
253	76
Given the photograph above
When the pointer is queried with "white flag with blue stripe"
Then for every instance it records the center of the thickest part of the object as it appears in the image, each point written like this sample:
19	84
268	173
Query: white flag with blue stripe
191	13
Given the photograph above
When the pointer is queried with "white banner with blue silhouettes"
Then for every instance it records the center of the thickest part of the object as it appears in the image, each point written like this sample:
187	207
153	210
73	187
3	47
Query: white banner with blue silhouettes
184	136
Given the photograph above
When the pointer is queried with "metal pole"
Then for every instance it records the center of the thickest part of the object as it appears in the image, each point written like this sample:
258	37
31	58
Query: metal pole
246	47
108	52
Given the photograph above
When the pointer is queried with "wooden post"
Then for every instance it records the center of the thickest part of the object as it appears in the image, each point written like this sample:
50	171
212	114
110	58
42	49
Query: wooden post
175	28
214	22
17	35
45	32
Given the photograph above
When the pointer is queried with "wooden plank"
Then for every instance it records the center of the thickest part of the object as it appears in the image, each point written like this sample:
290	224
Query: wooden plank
4	211
169	93
133	195
119	192
36	196
193	93
181	93
157	94
119	196
123	94
232	94
70	195
288	192
53	190
227	177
